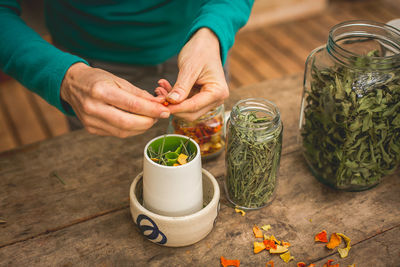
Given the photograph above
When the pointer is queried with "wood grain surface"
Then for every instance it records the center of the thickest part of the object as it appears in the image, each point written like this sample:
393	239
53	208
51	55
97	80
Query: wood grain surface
84	219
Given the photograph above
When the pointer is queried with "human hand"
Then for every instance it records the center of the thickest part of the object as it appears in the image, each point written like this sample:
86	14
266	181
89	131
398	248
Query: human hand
201	74
109	105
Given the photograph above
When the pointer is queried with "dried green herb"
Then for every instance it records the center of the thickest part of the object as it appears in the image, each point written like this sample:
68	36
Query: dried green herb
351	134
58	177
168	156
252	159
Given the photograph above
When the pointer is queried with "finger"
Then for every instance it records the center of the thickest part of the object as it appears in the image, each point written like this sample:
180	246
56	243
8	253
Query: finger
165	84
207	96
120	119
130	88
113	95
161	91
185	81
97	131
191	116
127	86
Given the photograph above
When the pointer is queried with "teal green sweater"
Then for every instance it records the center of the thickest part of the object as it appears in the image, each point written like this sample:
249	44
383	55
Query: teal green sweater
141	32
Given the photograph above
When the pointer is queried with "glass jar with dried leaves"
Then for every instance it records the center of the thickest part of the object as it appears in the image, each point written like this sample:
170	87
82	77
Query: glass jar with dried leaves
350	112
253	152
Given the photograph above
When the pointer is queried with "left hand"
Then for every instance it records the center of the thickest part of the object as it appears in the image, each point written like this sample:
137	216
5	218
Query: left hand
200	68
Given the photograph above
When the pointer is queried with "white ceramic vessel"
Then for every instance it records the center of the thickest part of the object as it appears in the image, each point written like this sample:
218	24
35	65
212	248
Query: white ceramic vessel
172	190
174	231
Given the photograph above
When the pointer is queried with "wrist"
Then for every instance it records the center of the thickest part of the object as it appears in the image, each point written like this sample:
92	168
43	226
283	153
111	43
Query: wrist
70	77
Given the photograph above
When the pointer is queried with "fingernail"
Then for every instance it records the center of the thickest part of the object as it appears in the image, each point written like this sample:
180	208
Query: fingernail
164	115
174	96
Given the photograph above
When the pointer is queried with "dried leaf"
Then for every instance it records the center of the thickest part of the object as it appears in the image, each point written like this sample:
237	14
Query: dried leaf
321	237
334	241
257	232
226	263
258	247
286	257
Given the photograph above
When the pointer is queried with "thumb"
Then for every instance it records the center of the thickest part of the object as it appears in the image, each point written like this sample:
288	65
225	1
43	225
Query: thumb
184	83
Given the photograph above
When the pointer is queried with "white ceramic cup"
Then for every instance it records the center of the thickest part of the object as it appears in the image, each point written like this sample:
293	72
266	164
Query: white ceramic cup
172	190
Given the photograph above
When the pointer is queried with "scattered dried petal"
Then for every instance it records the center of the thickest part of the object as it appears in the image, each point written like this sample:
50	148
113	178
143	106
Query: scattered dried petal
278	249
269	244
301	264
272	237
154	159
346	238
182	159
286	257
226	263
258	247
271	263
353	265
176	164
334	241
344	252
166	103
321	237
285	244
240	211
266	227
257	232
266	237
328	264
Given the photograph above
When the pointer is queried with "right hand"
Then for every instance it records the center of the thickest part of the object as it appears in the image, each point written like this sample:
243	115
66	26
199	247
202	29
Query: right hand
109	105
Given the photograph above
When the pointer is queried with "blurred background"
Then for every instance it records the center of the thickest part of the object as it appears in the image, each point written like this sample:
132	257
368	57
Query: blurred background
276	41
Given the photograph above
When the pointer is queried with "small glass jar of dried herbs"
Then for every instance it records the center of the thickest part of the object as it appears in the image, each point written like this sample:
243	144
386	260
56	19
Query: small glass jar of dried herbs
350	113
207	131
253	151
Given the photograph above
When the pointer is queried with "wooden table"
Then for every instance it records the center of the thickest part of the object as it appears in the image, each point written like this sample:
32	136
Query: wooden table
83	218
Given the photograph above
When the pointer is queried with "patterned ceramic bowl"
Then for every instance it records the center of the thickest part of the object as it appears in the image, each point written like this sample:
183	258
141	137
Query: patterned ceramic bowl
176	231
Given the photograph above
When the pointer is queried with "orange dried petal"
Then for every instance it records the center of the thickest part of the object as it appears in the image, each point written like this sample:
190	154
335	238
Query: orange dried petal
301	264
257	232
269	244
271	263
334	241
166	103
258	247
321	237
328	264
226	263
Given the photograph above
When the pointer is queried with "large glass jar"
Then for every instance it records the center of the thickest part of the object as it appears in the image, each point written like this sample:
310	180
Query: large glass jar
253	151
350	112
207	131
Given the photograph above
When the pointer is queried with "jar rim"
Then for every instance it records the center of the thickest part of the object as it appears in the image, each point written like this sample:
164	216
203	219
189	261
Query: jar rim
258	104
345	30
